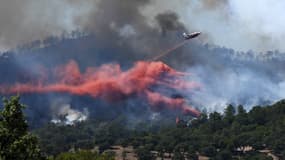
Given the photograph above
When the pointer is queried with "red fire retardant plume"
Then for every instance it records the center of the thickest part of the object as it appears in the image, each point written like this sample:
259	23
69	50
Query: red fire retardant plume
110	83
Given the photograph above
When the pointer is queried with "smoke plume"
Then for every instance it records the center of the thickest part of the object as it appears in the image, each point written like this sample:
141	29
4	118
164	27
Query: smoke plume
111	39
233	24
68	116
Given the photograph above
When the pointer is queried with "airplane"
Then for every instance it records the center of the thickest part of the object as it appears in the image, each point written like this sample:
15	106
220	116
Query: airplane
191	35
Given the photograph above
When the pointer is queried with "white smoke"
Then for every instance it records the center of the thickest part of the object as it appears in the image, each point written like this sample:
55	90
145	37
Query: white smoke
234	87
68	116
64	114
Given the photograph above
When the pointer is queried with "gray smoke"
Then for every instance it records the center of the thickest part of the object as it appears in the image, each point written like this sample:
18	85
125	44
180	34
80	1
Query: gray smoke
238	24
234	24
24	21
128	30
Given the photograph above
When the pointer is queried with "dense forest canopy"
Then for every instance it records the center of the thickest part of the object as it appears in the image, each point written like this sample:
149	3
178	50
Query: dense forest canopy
214	135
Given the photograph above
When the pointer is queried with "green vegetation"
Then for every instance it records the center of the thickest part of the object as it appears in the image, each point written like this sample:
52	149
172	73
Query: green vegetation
215	135
83	155
15	141
236	134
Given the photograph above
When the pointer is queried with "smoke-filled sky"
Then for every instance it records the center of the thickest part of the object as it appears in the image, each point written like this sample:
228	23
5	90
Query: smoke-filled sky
126	33
239	24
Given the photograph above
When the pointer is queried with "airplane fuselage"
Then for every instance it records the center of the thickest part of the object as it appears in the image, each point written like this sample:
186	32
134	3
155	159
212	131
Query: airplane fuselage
191	35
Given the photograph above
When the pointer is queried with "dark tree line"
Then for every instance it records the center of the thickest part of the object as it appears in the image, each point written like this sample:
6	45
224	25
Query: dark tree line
216	135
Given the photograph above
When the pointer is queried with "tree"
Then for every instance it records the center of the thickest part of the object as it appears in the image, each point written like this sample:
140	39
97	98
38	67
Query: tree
191	154
160	150
229	114
215	121
224	154
209	151
258	115
15	141
203	118
84	155
144	154
241	110
257	156
178	156
241	117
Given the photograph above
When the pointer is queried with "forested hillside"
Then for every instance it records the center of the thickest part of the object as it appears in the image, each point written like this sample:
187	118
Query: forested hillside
236	133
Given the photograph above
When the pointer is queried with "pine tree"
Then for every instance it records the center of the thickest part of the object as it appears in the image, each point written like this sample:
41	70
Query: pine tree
229	114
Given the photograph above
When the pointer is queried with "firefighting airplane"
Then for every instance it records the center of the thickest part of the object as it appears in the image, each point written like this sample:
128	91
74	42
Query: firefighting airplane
191	35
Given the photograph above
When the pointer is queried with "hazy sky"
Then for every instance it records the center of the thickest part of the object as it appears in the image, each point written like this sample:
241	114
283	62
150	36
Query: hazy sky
239	24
